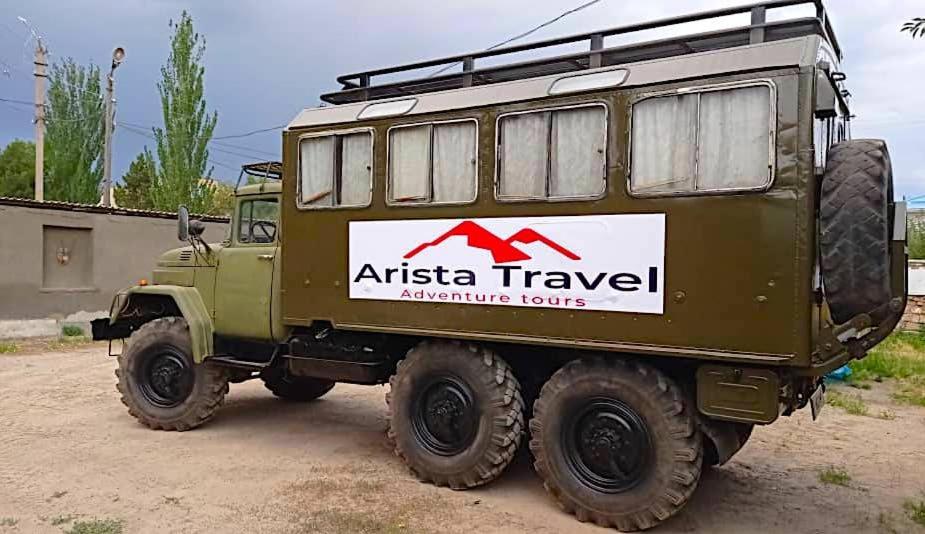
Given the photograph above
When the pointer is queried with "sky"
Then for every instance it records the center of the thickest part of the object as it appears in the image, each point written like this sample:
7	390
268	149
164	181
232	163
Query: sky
266	60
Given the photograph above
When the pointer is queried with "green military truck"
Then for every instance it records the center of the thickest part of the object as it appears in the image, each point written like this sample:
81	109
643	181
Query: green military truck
627	256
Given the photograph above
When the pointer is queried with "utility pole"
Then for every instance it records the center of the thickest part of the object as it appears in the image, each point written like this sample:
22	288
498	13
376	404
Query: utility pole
117	55
40	75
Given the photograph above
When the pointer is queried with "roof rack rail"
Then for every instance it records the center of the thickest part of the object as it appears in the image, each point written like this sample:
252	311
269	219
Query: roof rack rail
262	170
358	87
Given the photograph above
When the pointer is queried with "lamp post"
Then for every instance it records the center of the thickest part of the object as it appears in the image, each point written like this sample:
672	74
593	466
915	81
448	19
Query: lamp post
117	56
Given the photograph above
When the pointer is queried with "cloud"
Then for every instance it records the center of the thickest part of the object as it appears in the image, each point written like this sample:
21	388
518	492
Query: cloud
267	59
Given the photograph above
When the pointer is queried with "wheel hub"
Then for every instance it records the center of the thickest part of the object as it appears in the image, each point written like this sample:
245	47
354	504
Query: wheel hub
445	416
607	445
166	379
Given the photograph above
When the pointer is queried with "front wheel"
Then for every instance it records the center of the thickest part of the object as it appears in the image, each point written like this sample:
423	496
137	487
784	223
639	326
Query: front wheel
616	443
161	384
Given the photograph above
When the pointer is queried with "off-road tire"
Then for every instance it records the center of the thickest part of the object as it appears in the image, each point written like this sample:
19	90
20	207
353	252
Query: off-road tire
676	445
295	388
855	227
500	413
210	383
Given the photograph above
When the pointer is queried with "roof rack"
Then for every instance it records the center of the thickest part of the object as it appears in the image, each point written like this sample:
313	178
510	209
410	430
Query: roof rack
358	87
262	170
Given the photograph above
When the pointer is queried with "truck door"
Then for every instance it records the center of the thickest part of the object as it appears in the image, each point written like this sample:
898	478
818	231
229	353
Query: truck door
243	285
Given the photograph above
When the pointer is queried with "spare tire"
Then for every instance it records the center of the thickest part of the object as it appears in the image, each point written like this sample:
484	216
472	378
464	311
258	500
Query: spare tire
854	217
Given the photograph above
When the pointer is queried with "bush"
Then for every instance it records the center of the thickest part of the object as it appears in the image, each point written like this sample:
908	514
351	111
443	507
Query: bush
72	331
916	239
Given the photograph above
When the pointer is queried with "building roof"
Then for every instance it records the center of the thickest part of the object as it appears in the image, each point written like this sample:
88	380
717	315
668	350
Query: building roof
91	208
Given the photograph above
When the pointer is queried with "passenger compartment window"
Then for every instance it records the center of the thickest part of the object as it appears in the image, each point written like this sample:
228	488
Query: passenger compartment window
433	163
703	141
553	154
336	170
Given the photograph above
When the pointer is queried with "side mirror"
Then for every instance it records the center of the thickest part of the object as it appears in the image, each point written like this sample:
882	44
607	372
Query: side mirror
183	223
197	228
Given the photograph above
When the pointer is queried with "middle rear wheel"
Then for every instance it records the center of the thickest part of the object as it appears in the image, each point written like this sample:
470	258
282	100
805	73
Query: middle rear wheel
455	414
616	443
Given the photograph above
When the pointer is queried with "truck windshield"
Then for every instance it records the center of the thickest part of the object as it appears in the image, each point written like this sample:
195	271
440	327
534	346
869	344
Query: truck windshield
258	220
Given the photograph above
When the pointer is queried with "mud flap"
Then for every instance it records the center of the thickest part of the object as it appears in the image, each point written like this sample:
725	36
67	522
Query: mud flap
817	400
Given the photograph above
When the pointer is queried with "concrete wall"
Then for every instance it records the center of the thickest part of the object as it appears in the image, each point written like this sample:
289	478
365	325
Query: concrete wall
914	317
63	263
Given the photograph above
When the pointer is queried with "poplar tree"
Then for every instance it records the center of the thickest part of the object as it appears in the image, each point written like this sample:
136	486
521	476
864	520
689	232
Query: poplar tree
182	150
74	133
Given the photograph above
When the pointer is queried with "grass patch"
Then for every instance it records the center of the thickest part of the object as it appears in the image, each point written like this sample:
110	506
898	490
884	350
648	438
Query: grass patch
887	523
70	330
68	342
8	522
887	415
355	522
851	404
911	391
915	509
97	526
835	475
902	355
62	519
8	347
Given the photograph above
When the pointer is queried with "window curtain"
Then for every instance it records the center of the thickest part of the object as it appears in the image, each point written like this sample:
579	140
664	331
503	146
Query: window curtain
356	169
409	163
664	144
524	149
579	138
734	139
454	161
317	171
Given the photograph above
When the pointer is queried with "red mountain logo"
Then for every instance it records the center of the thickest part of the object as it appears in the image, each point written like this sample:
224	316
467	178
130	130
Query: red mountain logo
502	250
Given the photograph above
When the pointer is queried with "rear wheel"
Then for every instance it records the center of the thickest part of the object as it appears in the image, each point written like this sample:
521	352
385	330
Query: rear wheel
455	414
161	384
616	443
295	388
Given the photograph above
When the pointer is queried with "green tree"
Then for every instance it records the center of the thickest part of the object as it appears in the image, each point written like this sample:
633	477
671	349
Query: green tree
222	199
915	27
182	150
17	170
135	190
74	135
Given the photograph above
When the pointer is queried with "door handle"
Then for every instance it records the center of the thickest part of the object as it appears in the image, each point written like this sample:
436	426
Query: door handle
265	257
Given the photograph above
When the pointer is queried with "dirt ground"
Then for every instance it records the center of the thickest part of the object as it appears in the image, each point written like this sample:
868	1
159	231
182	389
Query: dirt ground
69	451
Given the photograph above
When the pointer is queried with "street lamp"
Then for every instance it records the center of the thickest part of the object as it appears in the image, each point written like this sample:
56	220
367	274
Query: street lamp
117	56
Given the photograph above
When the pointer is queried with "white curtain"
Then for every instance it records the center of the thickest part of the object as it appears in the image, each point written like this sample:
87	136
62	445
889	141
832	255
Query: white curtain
356	169
579	138
454	162
664	144
316	155
524	149
409	163
734	139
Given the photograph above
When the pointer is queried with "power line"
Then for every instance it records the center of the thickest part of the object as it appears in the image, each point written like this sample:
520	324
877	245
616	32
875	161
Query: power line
251	150
14	101
247	153
254	132
522	35
150	136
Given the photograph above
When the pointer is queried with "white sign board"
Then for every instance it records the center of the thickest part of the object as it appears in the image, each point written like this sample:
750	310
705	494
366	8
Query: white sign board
591	262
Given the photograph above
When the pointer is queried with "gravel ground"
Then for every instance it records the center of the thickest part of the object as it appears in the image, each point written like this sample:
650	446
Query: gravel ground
69	452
